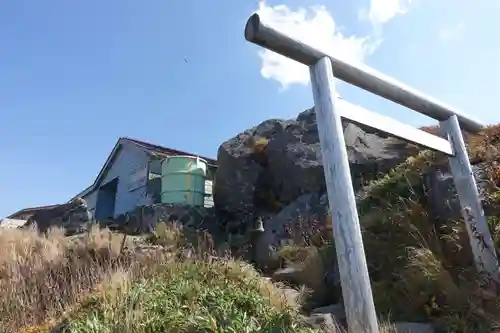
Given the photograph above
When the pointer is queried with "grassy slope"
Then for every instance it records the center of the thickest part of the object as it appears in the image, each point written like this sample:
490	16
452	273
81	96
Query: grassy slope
428	265
85	285
418	272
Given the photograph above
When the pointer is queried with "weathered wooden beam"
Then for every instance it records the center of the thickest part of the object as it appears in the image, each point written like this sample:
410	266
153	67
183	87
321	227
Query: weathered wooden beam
356	289
472	211
361	76
387	125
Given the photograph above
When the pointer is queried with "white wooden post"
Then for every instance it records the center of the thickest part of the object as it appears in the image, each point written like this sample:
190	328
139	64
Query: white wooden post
472	211
356	289
349	245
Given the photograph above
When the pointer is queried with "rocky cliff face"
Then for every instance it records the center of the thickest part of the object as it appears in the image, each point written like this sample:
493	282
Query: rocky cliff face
273	173
254	179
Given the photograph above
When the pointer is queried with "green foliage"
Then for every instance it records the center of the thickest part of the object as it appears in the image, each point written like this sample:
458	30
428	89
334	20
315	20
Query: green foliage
189	297
401	182
422	270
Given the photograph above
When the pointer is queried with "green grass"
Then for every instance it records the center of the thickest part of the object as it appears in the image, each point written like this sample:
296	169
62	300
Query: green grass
85	284
419	272
192	296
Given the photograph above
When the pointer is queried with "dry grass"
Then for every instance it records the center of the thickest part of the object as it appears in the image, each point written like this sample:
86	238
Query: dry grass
84	284
314	263
421	269
420	272
42	276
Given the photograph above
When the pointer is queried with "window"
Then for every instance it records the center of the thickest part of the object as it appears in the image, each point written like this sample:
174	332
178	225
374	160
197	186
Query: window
155	168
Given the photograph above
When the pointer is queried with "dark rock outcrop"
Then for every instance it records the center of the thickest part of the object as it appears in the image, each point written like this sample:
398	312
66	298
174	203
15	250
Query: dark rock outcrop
72	216
145	218
250	184
239	172
293	224
443	201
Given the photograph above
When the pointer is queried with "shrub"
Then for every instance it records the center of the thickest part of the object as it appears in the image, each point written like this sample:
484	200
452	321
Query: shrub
191	296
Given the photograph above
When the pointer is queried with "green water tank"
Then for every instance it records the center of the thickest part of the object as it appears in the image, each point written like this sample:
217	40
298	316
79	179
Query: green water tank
183	180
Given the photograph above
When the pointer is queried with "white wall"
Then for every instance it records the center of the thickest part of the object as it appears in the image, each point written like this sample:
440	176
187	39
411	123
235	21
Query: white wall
129	159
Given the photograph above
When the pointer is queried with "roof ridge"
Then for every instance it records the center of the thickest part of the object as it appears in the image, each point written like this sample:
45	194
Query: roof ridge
151	146
32	208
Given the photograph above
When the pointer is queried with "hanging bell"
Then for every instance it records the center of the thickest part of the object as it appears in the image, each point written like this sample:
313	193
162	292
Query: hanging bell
259	226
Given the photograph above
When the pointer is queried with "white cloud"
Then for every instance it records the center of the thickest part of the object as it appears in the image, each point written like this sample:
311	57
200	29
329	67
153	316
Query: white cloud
315	27
382	11
453	32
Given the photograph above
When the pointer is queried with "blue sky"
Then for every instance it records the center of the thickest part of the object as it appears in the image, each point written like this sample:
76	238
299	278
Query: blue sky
75	76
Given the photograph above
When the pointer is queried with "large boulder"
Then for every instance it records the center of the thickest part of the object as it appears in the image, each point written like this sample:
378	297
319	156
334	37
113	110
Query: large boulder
239	171
255	178
73	216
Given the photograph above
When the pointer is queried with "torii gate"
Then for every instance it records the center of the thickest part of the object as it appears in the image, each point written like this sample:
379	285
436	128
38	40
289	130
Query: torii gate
356	289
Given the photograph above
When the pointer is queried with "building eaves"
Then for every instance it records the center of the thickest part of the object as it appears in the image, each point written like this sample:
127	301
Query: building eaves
167	151
148	147
31	210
